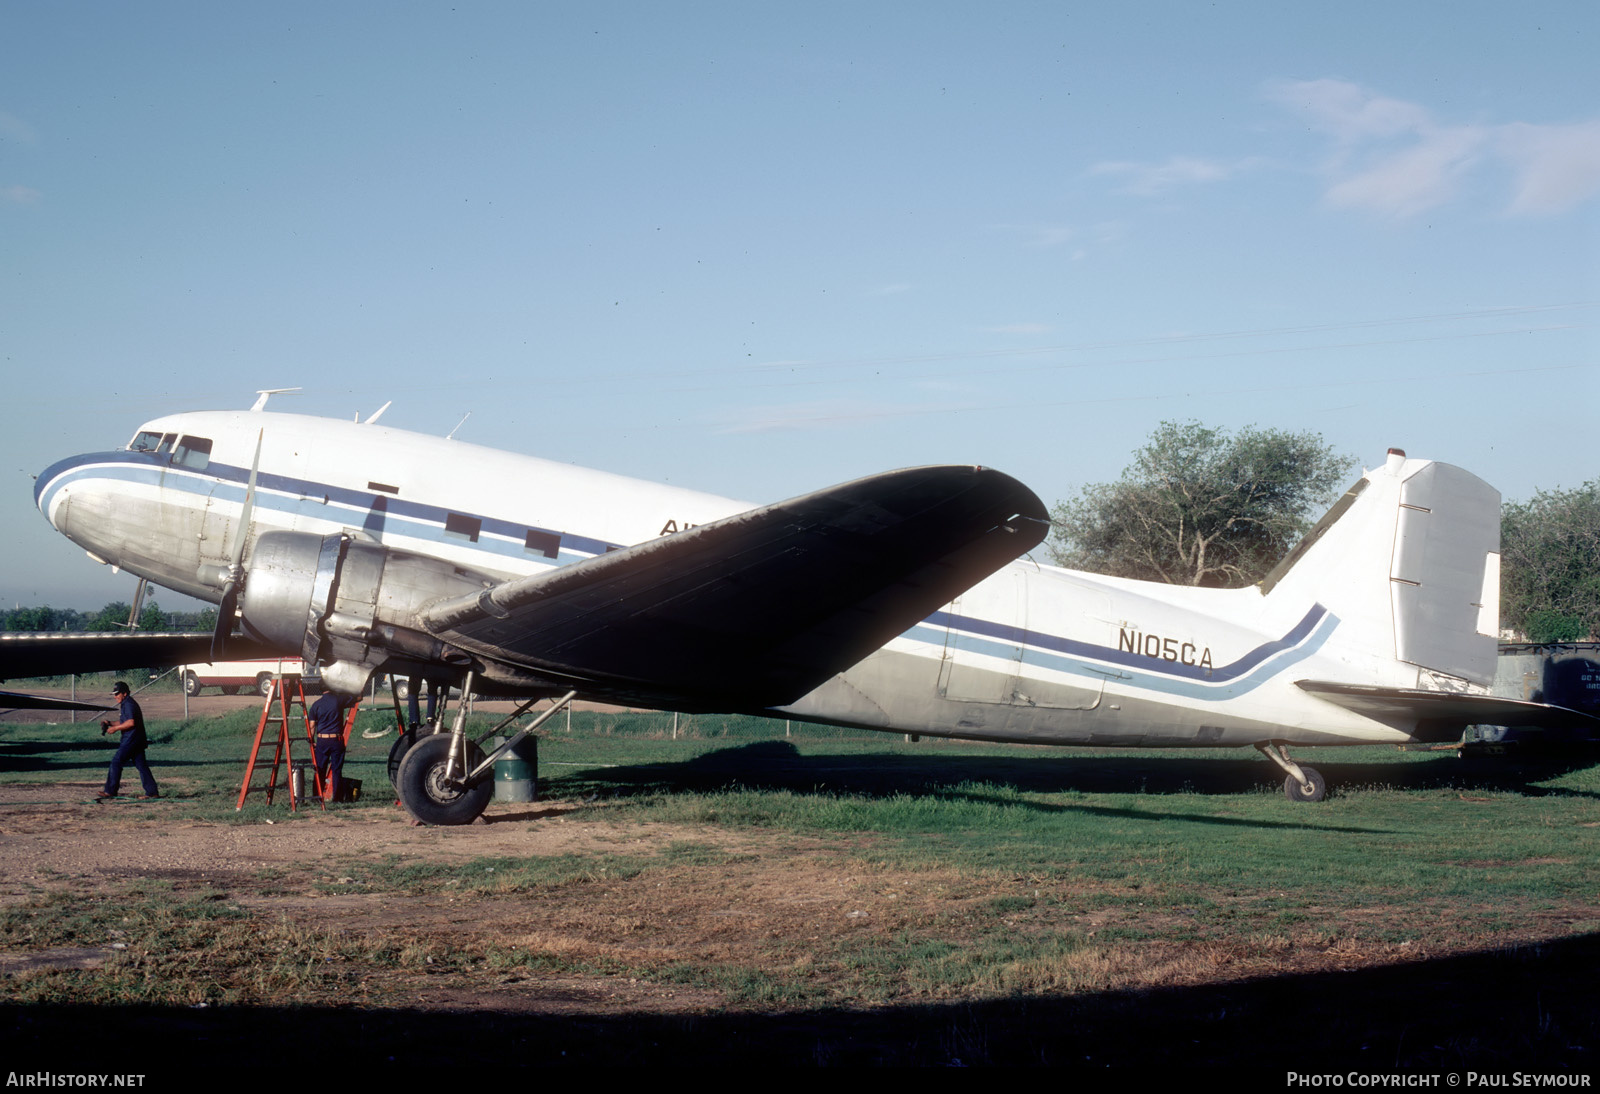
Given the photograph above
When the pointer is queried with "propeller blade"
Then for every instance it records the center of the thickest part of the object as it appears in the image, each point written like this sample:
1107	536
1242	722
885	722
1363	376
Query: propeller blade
225	611
242	533
229	604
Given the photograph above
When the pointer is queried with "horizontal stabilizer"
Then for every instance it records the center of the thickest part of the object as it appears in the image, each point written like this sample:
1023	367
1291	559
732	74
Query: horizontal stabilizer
756	609
57	653
1407	706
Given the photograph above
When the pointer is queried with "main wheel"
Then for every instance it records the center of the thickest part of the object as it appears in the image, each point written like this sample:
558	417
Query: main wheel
1296	792
191	684
424	792
264	684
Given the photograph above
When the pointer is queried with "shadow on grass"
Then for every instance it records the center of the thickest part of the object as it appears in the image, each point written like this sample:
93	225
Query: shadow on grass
1526	1009
778	765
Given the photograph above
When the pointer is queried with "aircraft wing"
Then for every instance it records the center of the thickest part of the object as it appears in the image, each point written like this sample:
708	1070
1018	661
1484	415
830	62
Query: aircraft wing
1404	705
56	653
13	700
757	609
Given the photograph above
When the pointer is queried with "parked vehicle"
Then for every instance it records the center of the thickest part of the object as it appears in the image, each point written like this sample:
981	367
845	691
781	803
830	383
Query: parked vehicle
232	677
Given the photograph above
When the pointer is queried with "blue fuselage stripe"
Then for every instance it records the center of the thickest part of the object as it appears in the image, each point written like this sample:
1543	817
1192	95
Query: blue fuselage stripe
1090	662
302	497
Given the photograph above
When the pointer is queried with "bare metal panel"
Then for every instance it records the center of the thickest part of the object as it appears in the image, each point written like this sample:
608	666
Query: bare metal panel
961	676
1449	524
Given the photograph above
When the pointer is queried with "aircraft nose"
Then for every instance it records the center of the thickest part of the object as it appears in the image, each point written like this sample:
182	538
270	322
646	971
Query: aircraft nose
49	484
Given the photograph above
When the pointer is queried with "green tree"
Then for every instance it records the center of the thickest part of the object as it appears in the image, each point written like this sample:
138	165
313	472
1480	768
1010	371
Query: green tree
112	617
33	619
152	618
1201	506
1550	564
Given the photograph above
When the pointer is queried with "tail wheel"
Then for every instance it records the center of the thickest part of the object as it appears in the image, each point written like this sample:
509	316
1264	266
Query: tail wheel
428	795
1314	789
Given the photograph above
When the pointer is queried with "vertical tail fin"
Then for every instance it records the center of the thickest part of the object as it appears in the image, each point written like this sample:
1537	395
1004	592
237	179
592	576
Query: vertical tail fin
1408	559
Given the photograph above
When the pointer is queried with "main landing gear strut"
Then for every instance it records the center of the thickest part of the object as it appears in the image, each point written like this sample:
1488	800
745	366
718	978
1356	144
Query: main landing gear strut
446	778
1303	784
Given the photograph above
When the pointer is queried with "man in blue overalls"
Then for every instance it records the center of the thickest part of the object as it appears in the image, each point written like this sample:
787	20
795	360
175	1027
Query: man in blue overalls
327	727
129	723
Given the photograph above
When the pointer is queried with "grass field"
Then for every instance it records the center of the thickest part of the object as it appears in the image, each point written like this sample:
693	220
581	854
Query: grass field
917	901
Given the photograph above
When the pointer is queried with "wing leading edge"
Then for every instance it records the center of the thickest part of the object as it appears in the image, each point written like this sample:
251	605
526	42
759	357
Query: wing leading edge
757	609
54	653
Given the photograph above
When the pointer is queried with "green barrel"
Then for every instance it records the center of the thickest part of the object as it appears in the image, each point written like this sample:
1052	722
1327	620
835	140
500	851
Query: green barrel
516	774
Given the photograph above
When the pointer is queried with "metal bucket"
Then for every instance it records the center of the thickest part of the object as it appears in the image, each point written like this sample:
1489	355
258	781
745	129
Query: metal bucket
298	778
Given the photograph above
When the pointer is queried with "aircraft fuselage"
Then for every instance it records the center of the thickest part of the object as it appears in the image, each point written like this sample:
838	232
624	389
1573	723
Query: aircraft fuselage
1032	654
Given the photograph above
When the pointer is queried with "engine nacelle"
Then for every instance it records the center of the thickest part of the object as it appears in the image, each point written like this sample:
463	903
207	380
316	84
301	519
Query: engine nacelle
340	599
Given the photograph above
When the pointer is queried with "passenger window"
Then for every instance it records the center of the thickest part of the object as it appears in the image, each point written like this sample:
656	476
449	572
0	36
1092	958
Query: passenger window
542	543
193	453
457	526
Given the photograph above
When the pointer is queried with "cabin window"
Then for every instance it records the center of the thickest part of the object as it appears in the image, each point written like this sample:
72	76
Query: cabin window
193	453
547	544
457	526
382	488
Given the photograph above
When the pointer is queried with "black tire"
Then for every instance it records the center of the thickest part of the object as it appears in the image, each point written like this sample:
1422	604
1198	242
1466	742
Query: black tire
191	684
402	688
264	684
1297	793
398	750
229	689
422	790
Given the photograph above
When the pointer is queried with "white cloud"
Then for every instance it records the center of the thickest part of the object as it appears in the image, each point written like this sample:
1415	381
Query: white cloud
1415	179
1556	166
1018	328
1394	157
19	195
1154	178
1348	111
1050	235
818	415
14	128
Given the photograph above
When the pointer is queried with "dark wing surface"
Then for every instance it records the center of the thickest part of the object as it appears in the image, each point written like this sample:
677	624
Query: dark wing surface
757	609
56	653
12	700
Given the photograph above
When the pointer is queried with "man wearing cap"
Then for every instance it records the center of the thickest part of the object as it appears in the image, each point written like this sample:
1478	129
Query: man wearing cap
327	730
129	723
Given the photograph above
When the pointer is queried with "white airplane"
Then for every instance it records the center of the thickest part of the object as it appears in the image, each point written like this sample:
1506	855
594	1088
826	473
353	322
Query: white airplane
889	603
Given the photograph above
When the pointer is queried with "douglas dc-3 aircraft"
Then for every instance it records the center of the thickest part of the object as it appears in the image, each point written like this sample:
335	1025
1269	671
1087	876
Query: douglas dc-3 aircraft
889	603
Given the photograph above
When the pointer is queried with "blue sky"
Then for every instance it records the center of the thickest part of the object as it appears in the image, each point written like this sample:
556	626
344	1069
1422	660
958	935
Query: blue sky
755	249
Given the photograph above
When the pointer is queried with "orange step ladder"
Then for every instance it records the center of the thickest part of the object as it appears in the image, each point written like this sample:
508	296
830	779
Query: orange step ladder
287	691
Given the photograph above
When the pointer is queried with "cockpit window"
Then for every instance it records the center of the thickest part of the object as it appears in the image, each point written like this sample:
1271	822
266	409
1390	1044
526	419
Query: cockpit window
147	441
193	453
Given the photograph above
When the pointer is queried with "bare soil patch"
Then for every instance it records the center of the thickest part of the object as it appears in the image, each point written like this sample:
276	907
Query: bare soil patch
793	908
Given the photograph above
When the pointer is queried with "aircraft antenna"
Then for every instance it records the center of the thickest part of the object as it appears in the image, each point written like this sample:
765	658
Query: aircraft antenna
376	414
452	434
263	394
